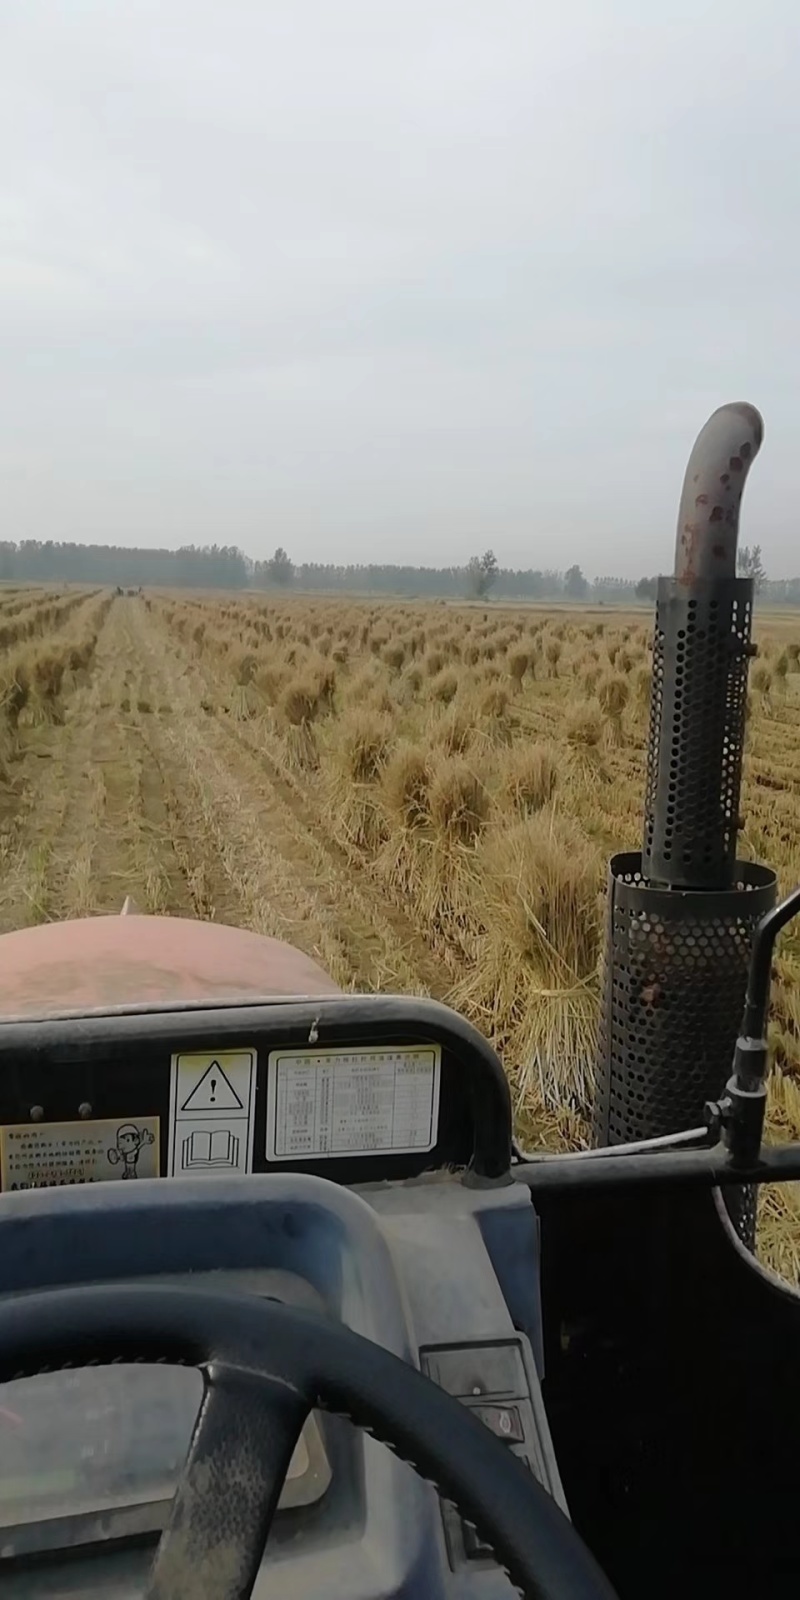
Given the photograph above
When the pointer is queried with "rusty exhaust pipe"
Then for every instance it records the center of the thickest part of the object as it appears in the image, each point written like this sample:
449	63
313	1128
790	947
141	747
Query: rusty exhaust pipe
708	516
701	650
682	913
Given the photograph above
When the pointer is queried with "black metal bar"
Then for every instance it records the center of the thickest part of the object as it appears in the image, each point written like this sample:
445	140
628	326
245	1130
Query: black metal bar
710	1168
742	1109
758	984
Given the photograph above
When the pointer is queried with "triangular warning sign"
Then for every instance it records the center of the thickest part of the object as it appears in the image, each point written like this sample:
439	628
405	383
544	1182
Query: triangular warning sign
214	1092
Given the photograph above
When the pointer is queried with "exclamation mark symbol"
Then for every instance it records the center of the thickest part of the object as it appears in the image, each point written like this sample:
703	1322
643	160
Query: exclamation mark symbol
213	1090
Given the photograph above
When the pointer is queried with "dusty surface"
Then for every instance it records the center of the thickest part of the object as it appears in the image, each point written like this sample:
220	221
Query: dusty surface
96	962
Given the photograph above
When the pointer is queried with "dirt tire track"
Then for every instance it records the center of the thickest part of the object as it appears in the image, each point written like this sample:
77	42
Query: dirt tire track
196	863
90	860
377	918
288	888
91	823
162	877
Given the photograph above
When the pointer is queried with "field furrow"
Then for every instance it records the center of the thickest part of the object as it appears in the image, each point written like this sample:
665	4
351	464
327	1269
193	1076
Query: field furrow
372	921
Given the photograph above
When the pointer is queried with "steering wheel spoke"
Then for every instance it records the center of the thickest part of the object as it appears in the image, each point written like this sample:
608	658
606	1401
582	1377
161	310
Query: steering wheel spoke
266	1366
246	1432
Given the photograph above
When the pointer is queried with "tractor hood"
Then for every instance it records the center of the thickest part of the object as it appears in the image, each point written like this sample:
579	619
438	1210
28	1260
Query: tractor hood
105	963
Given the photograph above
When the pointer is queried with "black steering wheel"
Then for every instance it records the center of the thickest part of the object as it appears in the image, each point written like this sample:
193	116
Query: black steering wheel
265	1367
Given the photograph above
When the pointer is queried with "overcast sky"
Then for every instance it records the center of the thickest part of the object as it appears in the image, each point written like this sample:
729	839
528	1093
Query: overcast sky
395	279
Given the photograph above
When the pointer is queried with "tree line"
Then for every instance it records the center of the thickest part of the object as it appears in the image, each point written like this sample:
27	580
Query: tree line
476	580
212	567
227	567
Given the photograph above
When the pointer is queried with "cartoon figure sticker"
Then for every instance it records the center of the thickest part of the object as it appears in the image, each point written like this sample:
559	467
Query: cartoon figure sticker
44	1155
127	1147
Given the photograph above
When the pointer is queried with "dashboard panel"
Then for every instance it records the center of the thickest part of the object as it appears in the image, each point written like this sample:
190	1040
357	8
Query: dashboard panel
443	1274
352	1088
423	1242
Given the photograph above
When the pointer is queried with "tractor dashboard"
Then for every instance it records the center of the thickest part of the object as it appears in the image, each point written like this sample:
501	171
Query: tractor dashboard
347	1087
419	1238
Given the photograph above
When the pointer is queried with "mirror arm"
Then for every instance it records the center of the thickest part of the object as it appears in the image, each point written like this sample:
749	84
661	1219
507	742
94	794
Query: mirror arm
739	1115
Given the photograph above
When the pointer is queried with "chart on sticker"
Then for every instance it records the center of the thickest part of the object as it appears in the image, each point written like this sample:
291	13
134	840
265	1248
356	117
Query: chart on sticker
327	1103
211	1117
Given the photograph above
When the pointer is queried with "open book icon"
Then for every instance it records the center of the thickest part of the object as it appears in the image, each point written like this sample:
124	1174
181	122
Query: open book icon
204	1149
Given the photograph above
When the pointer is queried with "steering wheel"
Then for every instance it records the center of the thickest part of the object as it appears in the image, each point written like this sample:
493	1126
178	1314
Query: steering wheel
265	1366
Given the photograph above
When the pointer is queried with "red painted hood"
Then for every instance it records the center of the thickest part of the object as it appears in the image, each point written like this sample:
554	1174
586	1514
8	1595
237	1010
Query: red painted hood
99	963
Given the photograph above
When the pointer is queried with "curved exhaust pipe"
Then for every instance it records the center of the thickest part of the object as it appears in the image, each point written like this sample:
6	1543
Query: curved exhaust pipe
682	913
708	517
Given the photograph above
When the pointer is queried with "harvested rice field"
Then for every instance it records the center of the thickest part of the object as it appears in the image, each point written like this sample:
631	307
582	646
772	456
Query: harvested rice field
422	796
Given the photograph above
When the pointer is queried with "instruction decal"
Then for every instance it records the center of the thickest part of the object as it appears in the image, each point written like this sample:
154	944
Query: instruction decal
211	1114
329	1103
47	1155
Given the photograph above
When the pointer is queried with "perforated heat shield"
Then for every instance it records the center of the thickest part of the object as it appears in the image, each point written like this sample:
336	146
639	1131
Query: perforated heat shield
675	979
701	648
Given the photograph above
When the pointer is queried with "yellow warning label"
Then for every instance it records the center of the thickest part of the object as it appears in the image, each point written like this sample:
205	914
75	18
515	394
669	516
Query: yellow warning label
47	1155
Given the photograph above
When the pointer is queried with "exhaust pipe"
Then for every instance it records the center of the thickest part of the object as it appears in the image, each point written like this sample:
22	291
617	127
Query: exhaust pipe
682	913
708	516
701	651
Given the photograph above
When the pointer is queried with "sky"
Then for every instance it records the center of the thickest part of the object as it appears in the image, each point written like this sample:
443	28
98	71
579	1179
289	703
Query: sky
395	279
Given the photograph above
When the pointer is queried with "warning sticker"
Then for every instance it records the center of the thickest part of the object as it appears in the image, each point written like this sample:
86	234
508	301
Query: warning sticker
352	1102
212	1100
45	1155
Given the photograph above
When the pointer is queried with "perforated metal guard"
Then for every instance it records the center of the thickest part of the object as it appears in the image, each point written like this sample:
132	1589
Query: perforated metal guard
701	648
675	978
742	1204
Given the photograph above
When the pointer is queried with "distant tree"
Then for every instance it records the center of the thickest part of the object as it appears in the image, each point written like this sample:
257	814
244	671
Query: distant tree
778	591
575	585
751	566
647	589
280	569
613	591
482	572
